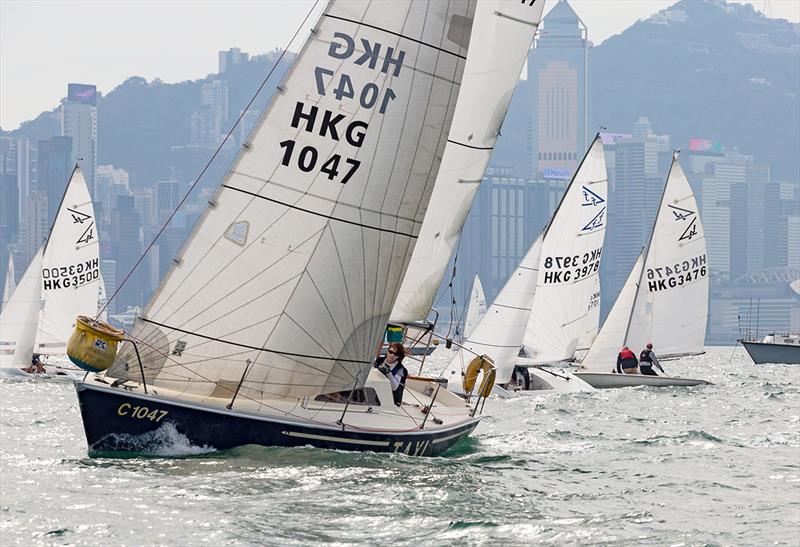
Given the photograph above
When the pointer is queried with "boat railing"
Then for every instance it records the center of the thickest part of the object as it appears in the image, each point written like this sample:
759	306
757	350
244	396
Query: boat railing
757	335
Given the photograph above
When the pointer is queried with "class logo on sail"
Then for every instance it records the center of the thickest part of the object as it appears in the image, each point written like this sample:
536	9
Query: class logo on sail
592	199
681	215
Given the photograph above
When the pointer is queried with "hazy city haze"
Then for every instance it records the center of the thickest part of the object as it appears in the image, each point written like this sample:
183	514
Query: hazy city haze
44	45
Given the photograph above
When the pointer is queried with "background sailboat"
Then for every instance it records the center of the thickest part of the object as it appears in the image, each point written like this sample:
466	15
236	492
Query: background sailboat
476	307
665	298
11	280
61	283
562	263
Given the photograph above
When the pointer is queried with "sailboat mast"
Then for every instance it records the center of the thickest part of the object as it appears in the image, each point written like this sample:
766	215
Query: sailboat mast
647	249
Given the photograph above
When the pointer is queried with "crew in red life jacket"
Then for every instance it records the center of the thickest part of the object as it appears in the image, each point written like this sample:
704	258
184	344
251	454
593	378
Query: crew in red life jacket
648	360
626	362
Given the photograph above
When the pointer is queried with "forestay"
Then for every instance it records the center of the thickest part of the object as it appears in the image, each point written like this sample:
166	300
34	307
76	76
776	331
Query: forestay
499	334
671	305
496	58
10	284
285	285
19	317
476	308
566	288
70	268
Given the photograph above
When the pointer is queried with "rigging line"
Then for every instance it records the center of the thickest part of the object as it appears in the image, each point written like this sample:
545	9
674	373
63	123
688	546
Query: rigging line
208	164
256	348
396	34
309	211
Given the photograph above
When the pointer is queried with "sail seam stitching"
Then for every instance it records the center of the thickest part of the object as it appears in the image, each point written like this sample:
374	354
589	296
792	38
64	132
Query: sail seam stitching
470	146
329	217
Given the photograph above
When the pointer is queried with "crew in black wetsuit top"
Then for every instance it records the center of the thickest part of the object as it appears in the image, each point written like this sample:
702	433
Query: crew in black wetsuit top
392	366
648	360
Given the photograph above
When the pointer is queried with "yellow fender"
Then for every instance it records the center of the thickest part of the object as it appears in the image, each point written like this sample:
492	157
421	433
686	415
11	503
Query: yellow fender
486	365
93	344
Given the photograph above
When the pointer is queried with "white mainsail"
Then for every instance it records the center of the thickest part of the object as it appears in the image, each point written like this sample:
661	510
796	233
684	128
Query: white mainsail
476	308
70	272
665	299
497	56
19	317
499	334
285	285
570	264
11	282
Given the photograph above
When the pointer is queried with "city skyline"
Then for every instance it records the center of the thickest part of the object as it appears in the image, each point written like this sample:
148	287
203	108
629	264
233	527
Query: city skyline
26	89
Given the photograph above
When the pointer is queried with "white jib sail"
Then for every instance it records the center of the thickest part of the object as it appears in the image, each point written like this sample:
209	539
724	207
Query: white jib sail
70	268
10	284
671	305
286	283
499	334
476	308
102	300
19	317
496	58
592	323
570	264
602	355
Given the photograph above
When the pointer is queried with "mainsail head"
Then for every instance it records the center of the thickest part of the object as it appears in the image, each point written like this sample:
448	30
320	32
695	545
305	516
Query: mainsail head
286	283
476	308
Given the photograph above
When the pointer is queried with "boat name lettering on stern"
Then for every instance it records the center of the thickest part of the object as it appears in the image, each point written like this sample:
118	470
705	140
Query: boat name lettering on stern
412	448
341	86
668	277
565	269
141	412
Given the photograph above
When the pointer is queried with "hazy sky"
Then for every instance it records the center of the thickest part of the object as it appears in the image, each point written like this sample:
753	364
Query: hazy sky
46	44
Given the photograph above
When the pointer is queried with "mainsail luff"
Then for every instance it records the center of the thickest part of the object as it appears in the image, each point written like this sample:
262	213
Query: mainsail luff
496	58
70	269
570	263
285	284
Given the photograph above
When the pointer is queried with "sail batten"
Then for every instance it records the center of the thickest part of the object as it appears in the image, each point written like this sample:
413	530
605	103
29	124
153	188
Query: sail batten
295	268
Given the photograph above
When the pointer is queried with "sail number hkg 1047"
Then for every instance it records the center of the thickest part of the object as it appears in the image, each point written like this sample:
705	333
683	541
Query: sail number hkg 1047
326	123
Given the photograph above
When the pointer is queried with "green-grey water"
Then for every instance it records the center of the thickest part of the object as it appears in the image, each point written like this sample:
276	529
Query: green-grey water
713	465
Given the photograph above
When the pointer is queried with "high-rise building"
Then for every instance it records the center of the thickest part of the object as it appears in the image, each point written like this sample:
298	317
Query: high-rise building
125	232
108	269
558	81
209	122
109	184
37	222
9	190
54	167
79	122
168	195
233	56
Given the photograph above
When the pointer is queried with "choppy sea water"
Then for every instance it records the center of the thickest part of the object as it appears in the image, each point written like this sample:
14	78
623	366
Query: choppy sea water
712	465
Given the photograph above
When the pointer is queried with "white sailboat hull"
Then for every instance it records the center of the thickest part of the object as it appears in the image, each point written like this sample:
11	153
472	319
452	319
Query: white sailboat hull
607	380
